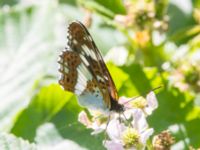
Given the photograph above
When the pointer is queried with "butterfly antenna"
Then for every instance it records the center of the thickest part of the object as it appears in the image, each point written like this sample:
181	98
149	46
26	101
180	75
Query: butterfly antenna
120	117
143	94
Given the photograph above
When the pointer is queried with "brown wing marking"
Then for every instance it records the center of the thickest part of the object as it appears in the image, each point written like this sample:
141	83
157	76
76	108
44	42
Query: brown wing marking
69	62
93	88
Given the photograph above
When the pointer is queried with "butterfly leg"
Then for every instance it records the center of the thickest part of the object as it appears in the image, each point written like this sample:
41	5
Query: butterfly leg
127	120
120	118
105	133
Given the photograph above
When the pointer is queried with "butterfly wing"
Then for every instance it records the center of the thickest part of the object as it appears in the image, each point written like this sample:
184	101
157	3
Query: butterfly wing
76	77
85	72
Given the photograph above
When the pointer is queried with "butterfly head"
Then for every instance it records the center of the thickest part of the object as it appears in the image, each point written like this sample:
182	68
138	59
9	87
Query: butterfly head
117	107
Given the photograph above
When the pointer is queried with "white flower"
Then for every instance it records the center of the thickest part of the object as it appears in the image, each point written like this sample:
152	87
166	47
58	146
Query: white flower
141	125
117	55
96	125
152	103
133	136
147	105
83	118
127	130
111	145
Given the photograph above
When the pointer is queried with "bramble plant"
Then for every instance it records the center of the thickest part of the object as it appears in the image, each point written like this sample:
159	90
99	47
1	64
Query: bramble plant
128	129
145	44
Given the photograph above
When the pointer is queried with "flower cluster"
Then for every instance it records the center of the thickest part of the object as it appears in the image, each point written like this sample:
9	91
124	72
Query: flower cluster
144	15
145	21
127	130
185	72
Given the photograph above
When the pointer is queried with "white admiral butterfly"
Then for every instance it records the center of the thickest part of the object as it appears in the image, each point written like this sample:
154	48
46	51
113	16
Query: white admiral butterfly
84	72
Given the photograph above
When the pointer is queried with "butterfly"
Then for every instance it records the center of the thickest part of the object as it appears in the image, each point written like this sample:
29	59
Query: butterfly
84	72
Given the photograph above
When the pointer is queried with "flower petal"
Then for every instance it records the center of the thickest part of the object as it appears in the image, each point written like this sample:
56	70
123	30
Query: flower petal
125	101
97	128
111	145
145	135
83	118
152	103
139	121
115	129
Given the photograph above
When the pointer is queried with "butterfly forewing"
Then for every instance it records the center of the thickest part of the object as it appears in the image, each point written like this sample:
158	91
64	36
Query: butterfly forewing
83	69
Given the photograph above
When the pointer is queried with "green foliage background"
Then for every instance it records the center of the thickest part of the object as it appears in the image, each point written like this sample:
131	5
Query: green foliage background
36	113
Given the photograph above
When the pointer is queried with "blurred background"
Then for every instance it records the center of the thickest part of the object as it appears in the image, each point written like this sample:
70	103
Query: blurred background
146	43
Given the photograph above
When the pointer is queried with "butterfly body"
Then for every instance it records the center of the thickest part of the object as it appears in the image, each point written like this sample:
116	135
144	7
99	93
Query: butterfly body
84	72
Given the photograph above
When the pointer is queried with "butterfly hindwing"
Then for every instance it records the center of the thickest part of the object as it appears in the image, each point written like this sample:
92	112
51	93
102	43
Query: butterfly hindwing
74	75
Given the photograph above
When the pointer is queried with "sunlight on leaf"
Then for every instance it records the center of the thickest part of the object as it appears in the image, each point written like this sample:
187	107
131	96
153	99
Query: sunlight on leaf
43	106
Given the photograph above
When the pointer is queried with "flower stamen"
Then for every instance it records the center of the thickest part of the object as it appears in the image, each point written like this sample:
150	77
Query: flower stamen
139	103
130	137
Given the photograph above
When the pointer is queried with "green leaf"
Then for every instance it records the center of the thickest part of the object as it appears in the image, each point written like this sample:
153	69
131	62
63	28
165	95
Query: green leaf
115	6
160	8
175	109
8	2
196	3
180	17
43	106
92	5
29	47
141	80
119	77
69	128
68	2
186	34
53	105
138	79
108	9
10	142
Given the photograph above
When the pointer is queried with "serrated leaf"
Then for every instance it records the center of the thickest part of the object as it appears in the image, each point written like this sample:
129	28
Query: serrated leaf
10	142
25	51
29	50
